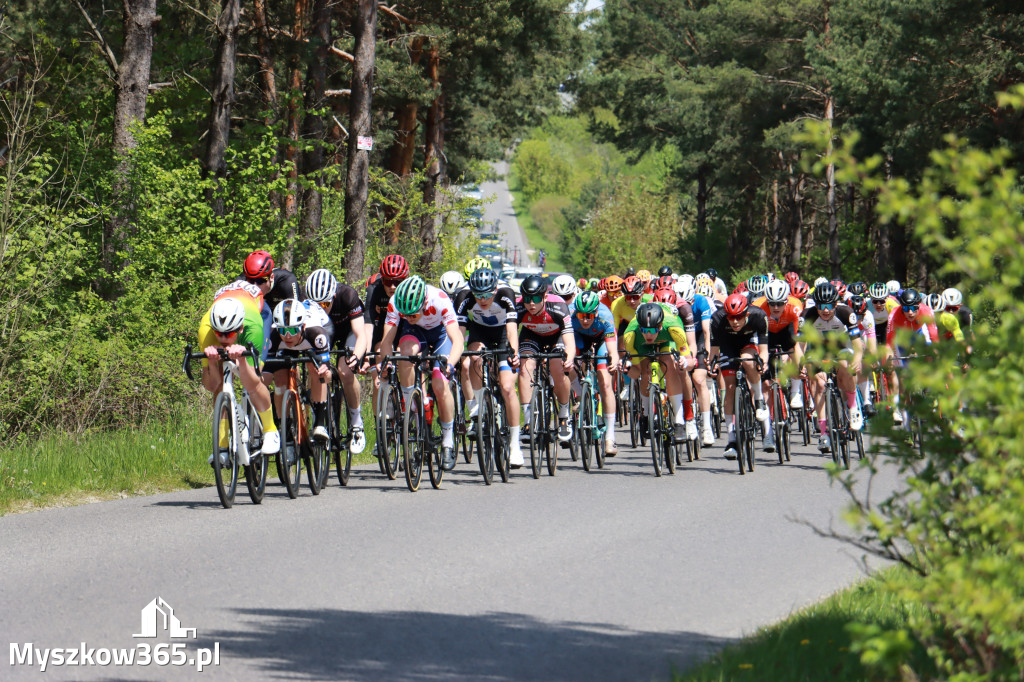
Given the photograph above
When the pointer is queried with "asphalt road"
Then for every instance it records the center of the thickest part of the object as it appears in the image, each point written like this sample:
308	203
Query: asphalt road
612	575
499	216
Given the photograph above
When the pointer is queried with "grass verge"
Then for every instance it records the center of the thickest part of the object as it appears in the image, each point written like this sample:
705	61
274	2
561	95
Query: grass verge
534	236
816	643
61	470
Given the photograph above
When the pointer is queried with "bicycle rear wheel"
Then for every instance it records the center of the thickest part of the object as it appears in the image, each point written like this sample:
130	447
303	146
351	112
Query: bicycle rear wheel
225	472
256	470
654	426
414	437
778	417
389	429
501	436
289	460
338	412
314	452
552	444
461	426
634	413
485	439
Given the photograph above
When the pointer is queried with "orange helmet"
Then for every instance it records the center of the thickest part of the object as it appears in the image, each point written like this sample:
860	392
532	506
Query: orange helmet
632	286
613	285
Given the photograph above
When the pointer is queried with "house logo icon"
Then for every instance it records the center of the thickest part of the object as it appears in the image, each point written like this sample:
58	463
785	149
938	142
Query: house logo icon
159	616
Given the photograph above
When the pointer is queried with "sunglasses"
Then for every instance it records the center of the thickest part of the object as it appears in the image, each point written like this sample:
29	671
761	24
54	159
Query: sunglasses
911	308
533	299
826	307
390	282
289	331
648	330
878	301
586	316
227	335
736	318
632	297
776	305
484	295
953	308
260	281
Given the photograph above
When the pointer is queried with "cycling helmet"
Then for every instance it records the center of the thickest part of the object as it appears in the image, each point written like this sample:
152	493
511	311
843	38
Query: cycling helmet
685	291
911	296
712	273
893	285
650	315
475	264
770	276
564	286
953	297
644	276
665	296
704	278
735	305
630	272
588	303
410	294
706	290
452	281
227	315
777	291
859	288
664	282
741	288
394	267
859	304
613	284
820	280
686	278
258	265
878	291
483	282
840	287
664	270
594	284
935	302
321	285
581	283
534	285
372	279
756	284
800	289
290	313
792	277
632	286
825	293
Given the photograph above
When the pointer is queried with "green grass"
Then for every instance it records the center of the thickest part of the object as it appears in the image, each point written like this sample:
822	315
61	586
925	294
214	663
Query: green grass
534	236
814	644
61	470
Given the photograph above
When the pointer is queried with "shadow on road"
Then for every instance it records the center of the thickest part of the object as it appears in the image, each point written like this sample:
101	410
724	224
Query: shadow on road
417	646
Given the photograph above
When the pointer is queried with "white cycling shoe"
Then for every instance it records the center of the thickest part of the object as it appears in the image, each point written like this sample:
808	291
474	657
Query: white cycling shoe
271	443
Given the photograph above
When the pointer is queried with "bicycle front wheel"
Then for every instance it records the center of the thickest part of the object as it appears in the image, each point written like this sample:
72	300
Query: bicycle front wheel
256	470
502	444
389	429
225	462
414	437
587	426
538	432
338	411
633	405
485	437
289	460
314	452
655	426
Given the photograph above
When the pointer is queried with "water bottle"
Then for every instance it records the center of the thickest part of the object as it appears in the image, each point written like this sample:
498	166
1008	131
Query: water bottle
243	435
428	409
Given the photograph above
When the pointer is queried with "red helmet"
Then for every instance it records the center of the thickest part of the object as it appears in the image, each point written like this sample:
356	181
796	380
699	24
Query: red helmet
664	282
394	267
372	278
840	287
741	288
735	305
792	277
800	289
258	265
632	286
665	296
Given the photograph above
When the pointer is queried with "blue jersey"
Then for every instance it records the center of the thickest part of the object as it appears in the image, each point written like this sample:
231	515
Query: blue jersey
604	324
703	309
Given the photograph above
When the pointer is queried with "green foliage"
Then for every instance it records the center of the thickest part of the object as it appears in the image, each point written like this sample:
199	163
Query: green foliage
958	524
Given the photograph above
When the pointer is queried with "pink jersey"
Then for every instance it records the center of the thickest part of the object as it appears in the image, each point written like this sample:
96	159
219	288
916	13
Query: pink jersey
438	311
925	322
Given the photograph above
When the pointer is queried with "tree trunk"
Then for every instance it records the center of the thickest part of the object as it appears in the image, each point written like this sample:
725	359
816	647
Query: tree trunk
313	126
796	218
702	212
291	150
403	150
435	165
223	98
129	109
266	60
364	31
835	256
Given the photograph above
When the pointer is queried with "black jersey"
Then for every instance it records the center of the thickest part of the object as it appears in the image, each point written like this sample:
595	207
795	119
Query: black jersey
345	306
753	333
286	285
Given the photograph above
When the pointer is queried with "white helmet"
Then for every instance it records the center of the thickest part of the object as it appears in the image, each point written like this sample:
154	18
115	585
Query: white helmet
685	290
777	291
706	290
687	278
936	302
452	281
290	313
227	315
893	285
770	276
321	285
952	296
820	280
564	286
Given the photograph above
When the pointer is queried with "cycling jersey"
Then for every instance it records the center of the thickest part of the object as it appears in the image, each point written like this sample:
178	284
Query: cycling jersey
552	320
949	327
500	311
345	306
671	336
314	337
603	326
731	342
251	298
789	316
841	328
923	325
286	285
438	311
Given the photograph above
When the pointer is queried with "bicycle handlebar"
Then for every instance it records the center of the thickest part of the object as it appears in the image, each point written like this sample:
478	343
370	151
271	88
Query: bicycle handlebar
186	362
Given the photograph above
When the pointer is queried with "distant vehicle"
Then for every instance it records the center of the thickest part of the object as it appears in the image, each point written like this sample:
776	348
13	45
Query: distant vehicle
519	274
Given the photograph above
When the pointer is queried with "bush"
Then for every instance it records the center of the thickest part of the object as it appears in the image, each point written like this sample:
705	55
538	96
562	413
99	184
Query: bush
547	214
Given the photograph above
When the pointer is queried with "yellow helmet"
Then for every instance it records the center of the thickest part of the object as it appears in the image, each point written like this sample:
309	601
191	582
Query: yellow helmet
644	276
475	264
703	278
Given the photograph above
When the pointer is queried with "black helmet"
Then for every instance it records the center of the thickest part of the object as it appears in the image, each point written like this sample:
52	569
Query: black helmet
859	304
859	288
483	281
664	270
910	297
630	271
650	315
534	285
825	293
712	273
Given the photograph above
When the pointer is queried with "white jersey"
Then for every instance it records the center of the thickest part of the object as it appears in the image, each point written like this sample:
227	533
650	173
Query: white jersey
438	311
318	317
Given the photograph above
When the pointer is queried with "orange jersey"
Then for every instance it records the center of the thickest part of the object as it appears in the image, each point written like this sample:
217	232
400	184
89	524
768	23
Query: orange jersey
790	314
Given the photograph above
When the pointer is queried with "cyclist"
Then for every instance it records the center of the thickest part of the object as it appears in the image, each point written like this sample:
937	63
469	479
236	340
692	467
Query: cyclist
294	332
231	323
594	329
866	322
452	282
276	284
546	327
612	290
347	329
394	269
422	318
739	331
654	330
675	306
837	325
954	305
565	287
624	308
911	314
488	319
783	313
703	308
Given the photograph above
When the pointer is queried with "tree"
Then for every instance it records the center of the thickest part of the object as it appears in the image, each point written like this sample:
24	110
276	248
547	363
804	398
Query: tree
357	190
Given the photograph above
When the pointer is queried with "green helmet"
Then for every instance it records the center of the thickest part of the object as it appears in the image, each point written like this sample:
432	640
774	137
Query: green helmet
410	294
475	264
587	303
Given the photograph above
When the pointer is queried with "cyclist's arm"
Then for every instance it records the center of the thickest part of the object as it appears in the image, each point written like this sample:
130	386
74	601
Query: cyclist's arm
629	339
512	332
569	341
458	342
